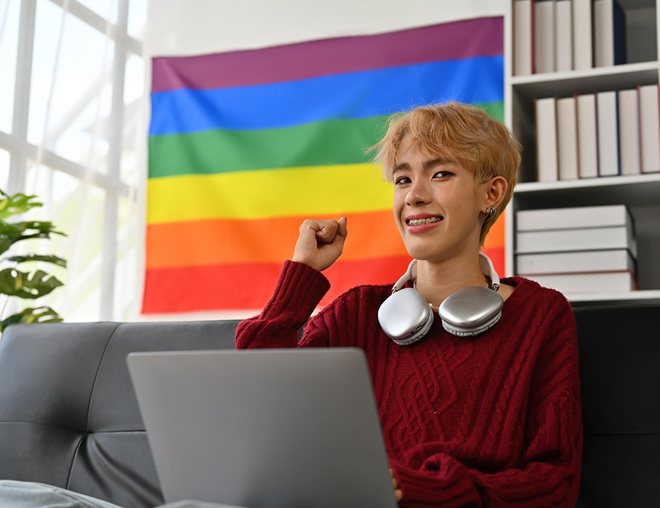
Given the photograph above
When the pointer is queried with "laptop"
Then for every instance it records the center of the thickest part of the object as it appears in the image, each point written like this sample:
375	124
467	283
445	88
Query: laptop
278	428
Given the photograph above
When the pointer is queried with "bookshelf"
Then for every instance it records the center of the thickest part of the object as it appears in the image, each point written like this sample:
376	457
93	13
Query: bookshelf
640	192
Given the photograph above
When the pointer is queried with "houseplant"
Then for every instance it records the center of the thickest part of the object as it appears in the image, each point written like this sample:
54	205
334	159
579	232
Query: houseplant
35	282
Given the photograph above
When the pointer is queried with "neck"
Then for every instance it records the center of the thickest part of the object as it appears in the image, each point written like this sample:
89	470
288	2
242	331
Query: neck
437	281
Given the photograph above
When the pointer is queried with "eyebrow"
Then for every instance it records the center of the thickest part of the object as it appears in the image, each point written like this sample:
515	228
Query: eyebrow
403	166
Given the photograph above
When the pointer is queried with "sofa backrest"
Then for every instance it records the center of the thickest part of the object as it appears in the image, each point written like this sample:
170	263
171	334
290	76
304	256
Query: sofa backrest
620	380
68	414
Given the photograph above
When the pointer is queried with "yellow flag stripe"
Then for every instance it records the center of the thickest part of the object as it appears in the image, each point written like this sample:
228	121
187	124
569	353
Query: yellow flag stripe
259	194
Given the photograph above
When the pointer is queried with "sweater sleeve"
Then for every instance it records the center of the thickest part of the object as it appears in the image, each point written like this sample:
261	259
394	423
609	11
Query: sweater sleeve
298	291
549	471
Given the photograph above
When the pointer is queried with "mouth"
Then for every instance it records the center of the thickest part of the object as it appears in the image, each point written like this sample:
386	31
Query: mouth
421	222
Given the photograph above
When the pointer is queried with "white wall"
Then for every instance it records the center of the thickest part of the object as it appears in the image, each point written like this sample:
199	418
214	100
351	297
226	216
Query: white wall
193	27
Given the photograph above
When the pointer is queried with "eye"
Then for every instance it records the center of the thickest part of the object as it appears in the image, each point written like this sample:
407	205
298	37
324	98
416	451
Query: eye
443	174
402	180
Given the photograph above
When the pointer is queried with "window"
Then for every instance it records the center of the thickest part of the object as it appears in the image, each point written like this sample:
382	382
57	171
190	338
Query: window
72	130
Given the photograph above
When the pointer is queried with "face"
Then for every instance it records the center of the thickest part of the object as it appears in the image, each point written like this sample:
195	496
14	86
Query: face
436	204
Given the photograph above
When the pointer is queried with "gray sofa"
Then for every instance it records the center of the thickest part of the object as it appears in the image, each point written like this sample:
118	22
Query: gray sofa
68	416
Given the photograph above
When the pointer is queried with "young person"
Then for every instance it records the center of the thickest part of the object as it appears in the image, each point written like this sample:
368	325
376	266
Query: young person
492	419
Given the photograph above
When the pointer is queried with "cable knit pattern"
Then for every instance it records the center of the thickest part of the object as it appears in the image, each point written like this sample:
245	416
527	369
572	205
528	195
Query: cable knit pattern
492	420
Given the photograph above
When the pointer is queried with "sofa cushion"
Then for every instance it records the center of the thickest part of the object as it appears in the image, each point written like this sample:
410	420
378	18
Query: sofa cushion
619	351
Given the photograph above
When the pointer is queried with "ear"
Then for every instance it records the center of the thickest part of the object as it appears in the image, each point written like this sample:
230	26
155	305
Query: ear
495	190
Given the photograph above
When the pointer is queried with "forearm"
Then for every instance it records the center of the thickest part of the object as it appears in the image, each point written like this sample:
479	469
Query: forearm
457	486
298	291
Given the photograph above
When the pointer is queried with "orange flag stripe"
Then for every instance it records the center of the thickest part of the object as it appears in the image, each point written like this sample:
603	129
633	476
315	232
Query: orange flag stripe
496	236
271	240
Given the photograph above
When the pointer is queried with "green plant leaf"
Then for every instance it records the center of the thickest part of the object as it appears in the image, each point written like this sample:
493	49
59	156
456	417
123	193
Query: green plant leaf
10	233
31	315
5	243
56	260
27	285
16	204
20	284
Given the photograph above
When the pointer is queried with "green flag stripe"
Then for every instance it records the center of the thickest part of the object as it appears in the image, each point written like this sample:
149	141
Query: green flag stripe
313	144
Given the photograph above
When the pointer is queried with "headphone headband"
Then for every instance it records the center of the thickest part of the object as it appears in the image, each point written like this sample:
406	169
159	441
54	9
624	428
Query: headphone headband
485	264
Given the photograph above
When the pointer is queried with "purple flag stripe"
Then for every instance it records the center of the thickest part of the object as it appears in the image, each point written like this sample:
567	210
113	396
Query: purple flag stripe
448	41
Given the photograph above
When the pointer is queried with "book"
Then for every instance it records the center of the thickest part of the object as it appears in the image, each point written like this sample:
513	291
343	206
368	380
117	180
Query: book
587	136
567	148
563	35
544	36
608	133
597	282
578	217
616	237
609	33
522	37
629	136
546	140
649	121
582	30
575	262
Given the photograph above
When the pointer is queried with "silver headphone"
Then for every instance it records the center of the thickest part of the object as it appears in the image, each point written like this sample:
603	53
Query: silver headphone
406	316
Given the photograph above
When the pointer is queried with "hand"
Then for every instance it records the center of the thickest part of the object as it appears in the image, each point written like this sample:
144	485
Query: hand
320	243
398	494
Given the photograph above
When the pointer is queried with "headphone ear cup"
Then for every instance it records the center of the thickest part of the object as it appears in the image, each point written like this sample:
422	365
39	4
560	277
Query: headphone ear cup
405	317
420	332
471	311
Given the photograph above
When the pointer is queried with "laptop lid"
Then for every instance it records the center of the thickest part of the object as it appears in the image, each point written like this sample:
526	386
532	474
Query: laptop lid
264	428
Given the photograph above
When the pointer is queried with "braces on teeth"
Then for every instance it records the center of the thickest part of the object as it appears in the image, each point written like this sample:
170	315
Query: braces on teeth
419	222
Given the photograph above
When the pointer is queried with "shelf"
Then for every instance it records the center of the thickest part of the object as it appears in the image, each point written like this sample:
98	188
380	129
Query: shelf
525	89
644	179
644	297
640	193
633	190
599	79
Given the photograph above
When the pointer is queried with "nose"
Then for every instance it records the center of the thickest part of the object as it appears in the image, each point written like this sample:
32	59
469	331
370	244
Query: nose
418	193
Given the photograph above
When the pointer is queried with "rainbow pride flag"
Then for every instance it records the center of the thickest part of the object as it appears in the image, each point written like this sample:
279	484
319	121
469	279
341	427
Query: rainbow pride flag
243	146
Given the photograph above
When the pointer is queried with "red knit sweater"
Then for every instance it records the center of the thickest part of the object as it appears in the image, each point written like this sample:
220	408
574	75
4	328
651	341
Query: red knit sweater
492	420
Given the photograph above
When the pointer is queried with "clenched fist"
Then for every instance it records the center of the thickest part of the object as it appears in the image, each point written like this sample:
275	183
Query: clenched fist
320	242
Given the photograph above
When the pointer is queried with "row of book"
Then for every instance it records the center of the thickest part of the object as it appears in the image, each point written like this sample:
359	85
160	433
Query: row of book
577	250
562	35
599	134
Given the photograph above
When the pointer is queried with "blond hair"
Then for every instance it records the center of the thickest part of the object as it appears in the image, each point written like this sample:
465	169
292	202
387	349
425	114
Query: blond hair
463	133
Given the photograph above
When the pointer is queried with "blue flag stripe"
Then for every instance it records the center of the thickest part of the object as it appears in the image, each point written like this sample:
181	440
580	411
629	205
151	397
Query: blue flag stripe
341	96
